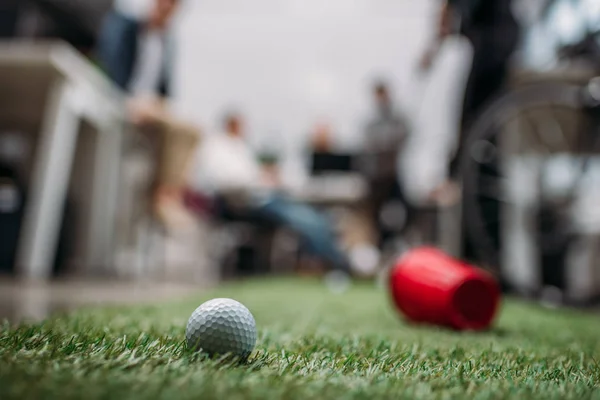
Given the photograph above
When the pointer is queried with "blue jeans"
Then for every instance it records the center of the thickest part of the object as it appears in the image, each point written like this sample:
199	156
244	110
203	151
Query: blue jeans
312	227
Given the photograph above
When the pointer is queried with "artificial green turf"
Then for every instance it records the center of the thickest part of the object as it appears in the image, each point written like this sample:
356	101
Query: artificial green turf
312	344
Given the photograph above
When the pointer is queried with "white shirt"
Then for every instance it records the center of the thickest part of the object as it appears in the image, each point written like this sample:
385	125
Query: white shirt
226	164
149	63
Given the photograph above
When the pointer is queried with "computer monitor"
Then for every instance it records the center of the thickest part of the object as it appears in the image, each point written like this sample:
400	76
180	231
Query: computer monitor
325	162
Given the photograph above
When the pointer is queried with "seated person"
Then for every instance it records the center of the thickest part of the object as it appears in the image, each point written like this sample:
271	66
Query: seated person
228	170
136	55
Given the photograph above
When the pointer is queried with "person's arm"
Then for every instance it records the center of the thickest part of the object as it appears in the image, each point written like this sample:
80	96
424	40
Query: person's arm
445	26
445	21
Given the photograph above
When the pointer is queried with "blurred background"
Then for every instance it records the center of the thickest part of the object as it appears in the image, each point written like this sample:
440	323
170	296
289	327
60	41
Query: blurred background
180	143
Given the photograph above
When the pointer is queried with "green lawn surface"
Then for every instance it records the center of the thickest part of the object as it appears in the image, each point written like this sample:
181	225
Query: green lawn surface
312	344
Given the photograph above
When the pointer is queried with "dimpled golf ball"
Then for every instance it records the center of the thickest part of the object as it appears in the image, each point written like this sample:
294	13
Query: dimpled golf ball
222	326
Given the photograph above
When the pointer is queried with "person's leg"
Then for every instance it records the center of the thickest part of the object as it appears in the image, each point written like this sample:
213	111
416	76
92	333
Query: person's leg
386	188
312	227
487	82
492	50
381	190
178	145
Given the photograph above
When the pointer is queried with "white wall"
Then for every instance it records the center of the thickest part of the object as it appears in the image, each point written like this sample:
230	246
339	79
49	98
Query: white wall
287	64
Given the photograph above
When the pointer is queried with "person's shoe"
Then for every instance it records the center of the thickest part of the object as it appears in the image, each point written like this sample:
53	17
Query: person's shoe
365	260
338	281
174	215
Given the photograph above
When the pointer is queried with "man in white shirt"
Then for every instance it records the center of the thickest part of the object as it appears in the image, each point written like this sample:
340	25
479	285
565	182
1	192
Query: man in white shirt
227	169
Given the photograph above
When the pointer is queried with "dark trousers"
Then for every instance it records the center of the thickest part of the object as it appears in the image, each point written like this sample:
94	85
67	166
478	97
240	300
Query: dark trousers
313	228
9	18
492	49
382	191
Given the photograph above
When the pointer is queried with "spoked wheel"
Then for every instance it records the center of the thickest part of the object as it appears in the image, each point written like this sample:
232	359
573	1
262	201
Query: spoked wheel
506	161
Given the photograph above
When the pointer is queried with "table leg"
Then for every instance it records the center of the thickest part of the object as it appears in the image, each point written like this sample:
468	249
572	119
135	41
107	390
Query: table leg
50	178
106	176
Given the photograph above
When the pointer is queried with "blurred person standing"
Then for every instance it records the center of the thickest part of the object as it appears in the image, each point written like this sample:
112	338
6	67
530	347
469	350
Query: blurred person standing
385	136
494	33
228	171
137	54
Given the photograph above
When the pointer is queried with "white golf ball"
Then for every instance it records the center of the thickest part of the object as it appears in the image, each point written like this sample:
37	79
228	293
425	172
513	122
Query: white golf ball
222	326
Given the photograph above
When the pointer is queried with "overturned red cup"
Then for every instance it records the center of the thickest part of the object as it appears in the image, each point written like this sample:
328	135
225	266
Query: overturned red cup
431	287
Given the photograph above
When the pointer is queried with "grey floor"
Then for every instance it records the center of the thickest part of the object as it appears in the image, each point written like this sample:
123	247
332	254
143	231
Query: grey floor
34	301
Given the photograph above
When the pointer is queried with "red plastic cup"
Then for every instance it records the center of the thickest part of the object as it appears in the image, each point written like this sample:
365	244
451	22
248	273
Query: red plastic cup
431	287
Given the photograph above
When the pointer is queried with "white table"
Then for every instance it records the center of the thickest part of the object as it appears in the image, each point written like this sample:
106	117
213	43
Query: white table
333	189
51	83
